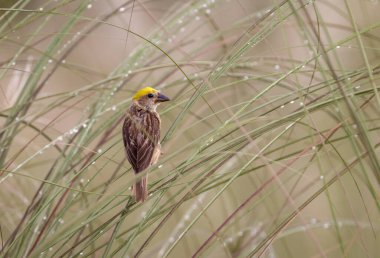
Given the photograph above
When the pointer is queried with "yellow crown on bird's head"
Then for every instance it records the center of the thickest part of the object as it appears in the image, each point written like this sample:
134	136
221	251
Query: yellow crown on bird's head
143	92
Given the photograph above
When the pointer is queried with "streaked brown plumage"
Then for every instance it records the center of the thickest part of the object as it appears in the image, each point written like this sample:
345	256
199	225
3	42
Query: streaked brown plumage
141	135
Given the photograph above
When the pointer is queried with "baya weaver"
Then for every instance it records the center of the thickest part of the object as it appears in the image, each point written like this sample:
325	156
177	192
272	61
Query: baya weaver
141	136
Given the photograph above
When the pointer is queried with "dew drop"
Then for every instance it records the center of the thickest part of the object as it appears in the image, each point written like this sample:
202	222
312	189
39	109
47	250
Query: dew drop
277	67
197	18
89	6
50	61
321	177
338	46
122	9
208	11
113	108
292	102
63	61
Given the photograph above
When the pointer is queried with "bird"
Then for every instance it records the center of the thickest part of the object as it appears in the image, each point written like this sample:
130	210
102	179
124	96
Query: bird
141	136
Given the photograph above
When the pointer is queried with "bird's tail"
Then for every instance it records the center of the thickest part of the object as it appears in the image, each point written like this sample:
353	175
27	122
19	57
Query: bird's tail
140	189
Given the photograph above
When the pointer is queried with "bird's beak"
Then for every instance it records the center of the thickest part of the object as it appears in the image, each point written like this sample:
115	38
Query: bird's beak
162	98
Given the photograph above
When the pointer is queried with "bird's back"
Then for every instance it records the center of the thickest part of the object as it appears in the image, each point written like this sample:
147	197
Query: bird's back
141	134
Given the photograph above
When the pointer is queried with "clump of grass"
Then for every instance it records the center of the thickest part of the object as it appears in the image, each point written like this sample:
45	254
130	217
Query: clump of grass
270	140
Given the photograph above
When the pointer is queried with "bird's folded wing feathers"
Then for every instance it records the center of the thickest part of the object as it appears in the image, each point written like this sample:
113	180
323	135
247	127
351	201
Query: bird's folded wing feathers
141	137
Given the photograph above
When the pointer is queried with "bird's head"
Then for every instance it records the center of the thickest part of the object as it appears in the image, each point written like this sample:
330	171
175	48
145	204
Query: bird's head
149	98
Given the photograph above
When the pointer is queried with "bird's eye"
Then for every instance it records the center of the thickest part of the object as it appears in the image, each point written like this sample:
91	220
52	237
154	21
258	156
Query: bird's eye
150	95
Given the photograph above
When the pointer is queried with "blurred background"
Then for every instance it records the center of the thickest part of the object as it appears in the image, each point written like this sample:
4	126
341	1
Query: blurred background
270	141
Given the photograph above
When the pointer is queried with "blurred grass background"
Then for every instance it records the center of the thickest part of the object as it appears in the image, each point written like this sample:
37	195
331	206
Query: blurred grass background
271	140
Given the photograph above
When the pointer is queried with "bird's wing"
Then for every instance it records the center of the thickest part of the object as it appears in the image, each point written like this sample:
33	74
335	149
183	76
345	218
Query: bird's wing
141	134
